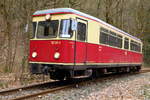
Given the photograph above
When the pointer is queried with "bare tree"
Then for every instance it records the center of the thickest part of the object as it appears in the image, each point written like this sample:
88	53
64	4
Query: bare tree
140	18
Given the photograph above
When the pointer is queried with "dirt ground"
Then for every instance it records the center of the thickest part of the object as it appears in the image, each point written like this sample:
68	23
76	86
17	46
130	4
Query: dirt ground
11	80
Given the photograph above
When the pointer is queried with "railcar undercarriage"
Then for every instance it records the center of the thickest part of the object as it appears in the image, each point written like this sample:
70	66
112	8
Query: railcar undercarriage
63	72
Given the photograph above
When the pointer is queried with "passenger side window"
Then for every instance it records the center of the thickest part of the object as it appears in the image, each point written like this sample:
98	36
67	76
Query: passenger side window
135	46
126	43
110	38
104	36
119	41
81	31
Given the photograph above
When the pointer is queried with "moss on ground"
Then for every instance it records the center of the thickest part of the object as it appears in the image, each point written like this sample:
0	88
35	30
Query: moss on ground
146	92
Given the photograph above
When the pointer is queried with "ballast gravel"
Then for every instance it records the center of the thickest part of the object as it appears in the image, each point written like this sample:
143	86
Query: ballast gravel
17	94
124	87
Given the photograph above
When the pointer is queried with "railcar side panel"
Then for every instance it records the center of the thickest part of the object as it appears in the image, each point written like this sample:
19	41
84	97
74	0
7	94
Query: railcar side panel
103	54
80	52
93	55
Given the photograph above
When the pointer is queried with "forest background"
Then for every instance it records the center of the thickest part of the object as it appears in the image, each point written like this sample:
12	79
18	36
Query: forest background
132	16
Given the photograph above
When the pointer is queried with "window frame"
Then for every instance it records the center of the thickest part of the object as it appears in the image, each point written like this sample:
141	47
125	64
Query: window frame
105	32
34	31
45	36
71	35
85	35
112	35
136	46
126	40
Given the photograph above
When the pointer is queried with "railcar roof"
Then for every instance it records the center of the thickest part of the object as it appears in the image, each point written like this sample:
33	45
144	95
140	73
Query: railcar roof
72	11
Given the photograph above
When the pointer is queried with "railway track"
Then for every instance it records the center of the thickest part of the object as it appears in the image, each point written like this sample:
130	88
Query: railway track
42	92
5	91
33	90
22	93
145	71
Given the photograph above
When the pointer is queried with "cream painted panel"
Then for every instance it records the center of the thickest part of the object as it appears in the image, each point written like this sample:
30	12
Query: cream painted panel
93	27
93	32
54	17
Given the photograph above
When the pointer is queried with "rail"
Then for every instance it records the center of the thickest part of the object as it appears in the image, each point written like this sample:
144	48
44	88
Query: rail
48	87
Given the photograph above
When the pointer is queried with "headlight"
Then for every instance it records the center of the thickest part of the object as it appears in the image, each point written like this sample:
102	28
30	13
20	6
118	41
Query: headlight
34	54
47	17
56	55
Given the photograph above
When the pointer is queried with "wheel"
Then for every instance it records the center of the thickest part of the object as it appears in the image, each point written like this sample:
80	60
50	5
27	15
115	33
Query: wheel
127	69
58	75
138	68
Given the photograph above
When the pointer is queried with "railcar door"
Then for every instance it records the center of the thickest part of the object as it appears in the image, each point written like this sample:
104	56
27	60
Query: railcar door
81	39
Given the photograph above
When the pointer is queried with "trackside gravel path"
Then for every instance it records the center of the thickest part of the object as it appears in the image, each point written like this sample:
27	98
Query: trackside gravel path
124	87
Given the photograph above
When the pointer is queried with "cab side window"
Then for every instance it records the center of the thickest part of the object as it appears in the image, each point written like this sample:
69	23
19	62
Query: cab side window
81	31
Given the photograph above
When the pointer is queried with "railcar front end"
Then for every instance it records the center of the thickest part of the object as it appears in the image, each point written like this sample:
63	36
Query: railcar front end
52	48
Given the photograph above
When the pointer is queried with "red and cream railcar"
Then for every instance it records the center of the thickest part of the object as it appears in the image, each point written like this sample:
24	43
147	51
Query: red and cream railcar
69	43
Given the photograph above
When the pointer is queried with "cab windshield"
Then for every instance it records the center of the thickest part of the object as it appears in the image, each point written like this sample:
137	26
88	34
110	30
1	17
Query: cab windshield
50	29
47	29
65	29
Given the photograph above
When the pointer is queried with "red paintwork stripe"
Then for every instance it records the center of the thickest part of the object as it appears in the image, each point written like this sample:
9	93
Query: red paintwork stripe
54	13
